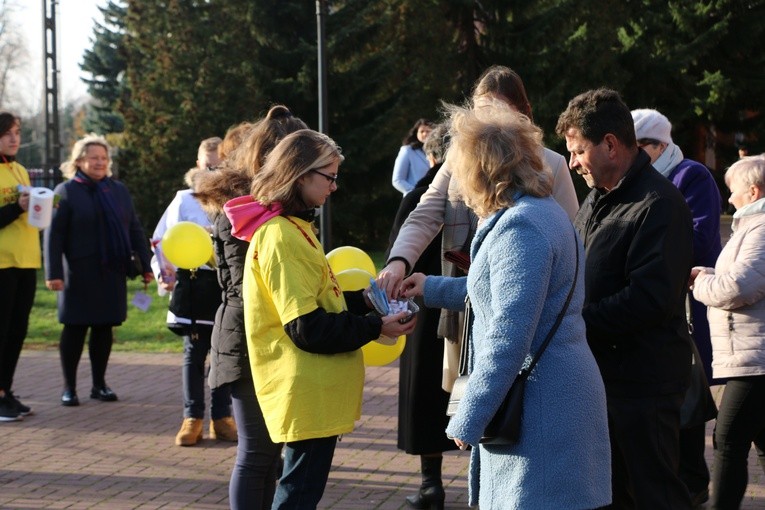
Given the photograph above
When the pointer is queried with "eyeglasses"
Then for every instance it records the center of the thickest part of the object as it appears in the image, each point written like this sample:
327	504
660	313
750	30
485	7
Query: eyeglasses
330	178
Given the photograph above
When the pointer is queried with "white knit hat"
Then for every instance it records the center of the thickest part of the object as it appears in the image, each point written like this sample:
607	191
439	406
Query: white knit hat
652	125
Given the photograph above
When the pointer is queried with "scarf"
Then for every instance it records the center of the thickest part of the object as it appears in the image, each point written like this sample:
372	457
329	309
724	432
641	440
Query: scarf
114	245
669	159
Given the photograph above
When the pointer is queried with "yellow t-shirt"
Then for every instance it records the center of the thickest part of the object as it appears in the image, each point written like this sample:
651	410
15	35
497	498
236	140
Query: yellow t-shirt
19	241
302	395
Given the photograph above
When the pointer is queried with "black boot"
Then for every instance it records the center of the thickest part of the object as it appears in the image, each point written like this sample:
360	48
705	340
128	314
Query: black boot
431	495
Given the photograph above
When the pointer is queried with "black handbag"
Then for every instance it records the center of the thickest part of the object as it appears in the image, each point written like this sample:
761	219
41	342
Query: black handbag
698	404
196	295
505	426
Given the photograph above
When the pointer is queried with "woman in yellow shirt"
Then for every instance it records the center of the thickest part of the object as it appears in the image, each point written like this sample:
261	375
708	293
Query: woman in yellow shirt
19	260
304	333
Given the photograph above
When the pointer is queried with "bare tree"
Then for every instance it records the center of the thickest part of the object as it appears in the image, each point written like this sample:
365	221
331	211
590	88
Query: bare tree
13	51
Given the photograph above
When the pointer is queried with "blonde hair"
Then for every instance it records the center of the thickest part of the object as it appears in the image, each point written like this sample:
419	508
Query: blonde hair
208	145
749	170
294	156
79	151
495	152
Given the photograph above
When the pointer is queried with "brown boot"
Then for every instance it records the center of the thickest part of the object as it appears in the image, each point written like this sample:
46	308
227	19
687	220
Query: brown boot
224	429
190	433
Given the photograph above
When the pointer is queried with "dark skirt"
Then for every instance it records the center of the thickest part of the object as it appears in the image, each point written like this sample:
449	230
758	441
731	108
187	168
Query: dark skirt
422	402
92	295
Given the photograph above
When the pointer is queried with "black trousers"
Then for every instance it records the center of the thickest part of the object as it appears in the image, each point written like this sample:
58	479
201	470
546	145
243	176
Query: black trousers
644	436
99	349
694	471
17	294
740	422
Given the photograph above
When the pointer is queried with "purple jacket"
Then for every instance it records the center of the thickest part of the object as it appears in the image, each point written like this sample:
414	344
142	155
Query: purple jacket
702	195
700	190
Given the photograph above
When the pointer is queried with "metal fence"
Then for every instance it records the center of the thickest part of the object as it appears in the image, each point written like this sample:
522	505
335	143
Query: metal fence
44	178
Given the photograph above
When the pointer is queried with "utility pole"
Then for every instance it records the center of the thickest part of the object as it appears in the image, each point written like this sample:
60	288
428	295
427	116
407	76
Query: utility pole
52	131
325	218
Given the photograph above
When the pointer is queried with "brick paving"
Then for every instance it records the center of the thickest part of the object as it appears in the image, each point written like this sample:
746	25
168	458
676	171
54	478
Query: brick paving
121	455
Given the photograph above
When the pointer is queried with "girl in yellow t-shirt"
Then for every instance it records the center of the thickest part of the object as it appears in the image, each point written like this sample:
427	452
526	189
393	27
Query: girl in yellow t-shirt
304	333
19	260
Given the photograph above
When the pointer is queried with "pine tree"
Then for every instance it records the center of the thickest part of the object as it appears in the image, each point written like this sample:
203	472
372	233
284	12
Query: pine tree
105	62
196	68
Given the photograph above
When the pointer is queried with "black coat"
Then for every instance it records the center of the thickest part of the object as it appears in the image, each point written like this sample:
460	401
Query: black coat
638	240
93	294
422	402
228	352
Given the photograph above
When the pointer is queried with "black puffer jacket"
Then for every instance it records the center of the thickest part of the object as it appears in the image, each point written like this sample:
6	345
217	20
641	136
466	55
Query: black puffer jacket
639	244
228	353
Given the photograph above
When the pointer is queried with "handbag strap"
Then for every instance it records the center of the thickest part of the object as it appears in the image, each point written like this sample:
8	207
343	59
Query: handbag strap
526	371
468	322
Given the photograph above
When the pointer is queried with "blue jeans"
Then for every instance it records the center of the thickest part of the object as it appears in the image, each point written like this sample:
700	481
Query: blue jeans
194	356
306	470
740	422
253	479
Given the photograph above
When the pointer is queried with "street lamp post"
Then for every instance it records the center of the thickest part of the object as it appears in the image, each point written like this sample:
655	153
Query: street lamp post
325	218
50	68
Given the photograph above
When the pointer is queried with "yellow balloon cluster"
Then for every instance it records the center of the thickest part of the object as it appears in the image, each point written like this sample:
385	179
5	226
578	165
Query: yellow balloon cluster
375	354
350	257
187	245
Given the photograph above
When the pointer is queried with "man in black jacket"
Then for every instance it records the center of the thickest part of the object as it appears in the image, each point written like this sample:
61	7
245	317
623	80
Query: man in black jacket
637	232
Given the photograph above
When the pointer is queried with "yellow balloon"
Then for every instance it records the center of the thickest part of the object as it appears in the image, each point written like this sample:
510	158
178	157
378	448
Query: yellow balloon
187	245
353	279
375	354
350	257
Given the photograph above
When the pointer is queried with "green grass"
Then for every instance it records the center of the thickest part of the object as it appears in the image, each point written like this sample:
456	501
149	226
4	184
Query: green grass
141	332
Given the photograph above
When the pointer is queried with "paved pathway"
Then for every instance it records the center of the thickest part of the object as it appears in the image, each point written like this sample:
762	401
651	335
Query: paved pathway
121	455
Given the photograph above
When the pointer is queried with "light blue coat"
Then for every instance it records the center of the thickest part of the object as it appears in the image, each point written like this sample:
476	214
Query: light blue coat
521	274
411	165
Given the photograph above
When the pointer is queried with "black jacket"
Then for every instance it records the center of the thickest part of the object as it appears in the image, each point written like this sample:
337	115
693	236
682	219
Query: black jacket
228	351
638	240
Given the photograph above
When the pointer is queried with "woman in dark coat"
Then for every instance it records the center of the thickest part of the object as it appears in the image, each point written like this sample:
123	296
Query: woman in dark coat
421	400
253	479
93	244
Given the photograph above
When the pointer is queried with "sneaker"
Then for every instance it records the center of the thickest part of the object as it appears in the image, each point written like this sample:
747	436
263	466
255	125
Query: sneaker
21	408
224	429
190	433
8	411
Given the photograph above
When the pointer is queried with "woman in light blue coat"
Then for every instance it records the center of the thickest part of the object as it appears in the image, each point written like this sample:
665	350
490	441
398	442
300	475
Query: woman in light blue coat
411	163
524	262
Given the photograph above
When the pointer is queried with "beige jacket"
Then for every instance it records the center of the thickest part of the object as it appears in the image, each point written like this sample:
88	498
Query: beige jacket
734	293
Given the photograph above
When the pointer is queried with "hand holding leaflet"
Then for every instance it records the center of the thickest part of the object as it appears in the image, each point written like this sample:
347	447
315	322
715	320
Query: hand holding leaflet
383	307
